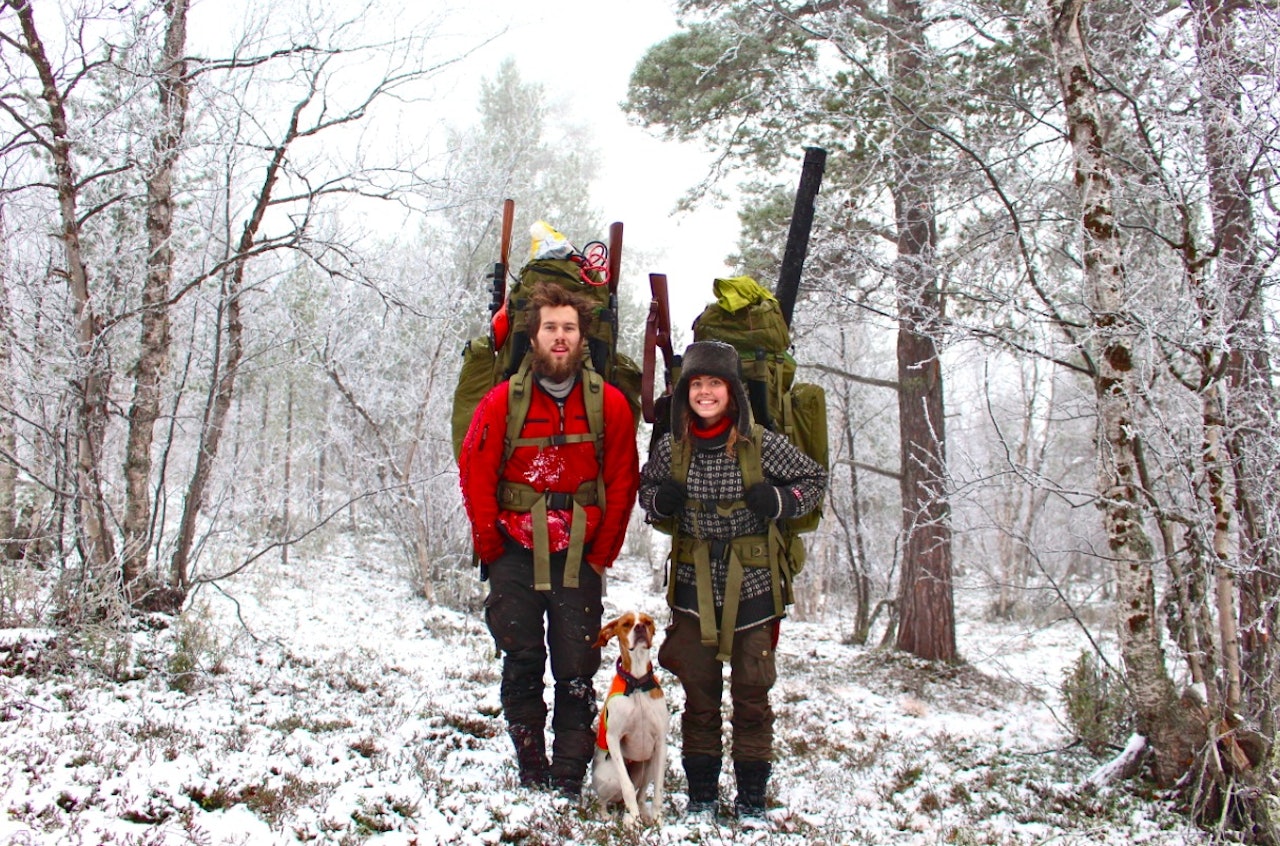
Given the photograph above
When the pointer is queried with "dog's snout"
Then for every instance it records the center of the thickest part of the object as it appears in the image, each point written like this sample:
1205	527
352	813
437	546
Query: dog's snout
643	636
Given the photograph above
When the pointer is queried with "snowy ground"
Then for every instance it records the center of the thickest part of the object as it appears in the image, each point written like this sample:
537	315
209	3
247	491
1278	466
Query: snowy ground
329	705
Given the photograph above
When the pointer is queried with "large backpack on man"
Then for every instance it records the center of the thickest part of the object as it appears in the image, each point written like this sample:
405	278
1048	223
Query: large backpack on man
748	317
504	355
483	367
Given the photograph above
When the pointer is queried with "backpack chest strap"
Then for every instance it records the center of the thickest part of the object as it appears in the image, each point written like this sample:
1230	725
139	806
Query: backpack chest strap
554	440
514	496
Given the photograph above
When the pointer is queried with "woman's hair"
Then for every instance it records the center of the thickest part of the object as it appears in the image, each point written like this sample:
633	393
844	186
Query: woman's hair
730	412
550	294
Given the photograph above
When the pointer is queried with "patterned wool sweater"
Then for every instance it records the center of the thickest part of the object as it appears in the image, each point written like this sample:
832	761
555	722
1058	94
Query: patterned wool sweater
715	475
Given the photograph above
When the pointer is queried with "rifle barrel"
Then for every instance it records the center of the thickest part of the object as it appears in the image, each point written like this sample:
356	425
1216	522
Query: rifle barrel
815	162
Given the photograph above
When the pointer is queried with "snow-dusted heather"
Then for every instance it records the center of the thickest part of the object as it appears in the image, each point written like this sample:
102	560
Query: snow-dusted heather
327	704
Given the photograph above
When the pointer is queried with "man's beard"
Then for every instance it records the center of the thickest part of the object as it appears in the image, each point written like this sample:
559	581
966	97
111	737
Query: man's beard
557	370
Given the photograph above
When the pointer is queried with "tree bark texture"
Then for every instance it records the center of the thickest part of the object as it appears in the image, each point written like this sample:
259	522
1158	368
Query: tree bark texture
154	344
927	617
1114	337
9	546
1248	415
93	380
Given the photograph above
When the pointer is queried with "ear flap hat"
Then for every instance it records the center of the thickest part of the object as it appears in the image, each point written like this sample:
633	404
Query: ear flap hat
710	358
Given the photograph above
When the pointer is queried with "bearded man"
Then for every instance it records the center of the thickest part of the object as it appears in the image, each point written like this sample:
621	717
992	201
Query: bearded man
541	505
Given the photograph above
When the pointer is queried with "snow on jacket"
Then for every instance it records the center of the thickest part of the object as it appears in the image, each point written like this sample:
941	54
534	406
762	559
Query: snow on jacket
558	469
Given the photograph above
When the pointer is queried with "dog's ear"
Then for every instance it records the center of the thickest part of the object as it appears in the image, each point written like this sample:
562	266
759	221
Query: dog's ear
608	632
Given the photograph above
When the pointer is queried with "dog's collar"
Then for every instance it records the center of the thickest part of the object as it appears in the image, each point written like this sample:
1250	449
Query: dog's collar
633	684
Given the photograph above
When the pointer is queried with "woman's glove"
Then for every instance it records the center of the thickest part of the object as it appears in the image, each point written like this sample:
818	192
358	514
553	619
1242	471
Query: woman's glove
765	500
669	498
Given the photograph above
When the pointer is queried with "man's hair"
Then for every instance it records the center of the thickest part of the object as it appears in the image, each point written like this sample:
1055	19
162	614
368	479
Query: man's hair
550	294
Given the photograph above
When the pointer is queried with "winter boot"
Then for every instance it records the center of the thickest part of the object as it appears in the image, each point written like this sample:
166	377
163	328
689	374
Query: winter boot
753	782
571	753
702	772
531	755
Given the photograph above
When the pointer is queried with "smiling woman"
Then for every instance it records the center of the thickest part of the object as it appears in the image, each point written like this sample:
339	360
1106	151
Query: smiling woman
709	399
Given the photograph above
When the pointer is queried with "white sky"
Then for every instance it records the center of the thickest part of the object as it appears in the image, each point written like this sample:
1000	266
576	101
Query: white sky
589	47
587	50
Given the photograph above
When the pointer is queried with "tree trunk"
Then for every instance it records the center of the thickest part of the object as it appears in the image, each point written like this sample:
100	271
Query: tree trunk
155	342
927	617
856	548
286	508
1114	339
93	379
222	386
1249	414
9	546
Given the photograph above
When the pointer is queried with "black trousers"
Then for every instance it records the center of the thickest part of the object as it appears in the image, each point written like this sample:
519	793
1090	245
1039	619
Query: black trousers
528	626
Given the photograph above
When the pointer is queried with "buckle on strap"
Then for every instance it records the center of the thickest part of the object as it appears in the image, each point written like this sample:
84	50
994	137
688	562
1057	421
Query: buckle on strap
557	501
515	496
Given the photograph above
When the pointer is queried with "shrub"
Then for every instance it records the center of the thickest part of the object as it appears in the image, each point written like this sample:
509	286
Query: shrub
195	652
1097	705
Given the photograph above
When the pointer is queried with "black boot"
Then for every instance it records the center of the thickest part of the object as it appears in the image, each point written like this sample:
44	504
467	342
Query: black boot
571	753
702	772
753	782
531	755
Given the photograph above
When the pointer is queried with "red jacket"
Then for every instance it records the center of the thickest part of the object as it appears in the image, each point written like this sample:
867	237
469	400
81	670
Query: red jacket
555	468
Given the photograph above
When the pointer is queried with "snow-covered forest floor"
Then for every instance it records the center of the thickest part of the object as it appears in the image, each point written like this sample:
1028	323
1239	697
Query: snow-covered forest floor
324	702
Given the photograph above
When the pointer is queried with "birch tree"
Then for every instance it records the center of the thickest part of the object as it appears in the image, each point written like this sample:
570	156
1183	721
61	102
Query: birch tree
166	145
1114	346
49	129
159	215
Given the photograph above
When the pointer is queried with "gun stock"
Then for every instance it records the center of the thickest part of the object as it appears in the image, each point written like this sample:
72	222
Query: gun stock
815	162
657	336
615	255
499	322
508	221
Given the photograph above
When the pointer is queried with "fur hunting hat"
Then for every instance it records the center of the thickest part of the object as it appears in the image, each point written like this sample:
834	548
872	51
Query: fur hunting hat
709	358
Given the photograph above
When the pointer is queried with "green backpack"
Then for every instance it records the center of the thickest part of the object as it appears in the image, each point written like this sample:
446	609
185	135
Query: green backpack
749	318
482	367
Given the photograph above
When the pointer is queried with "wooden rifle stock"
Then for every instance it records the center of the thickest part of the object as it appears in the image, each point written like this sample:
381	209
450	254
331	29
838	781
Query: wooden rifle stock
499	325
615	256
815	162
657	336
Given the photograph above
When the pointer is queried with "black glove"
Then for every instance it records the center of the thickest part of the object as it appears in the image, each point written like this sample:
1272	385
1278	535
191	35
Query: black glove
764	500
669	498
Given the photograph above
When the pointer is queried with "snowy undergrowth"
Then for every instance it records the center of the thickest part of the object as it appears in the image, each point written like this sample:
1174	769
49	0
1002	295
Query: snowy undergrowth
324	703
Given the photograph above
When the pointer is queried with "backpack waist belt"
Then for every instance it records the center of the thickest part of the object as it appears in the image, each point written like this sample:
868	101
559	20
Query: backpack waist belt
745	551
514	496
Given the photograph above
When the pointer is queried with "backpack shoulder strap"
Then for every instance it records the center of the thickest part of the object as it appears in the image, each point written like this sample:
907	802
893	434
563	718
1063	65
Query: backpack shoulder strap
749	460
681	457
519	398
593	399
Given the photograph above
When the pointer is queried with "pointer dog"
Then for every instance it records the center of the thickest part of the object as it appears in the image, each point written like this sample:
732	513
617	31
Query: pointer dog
631	744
